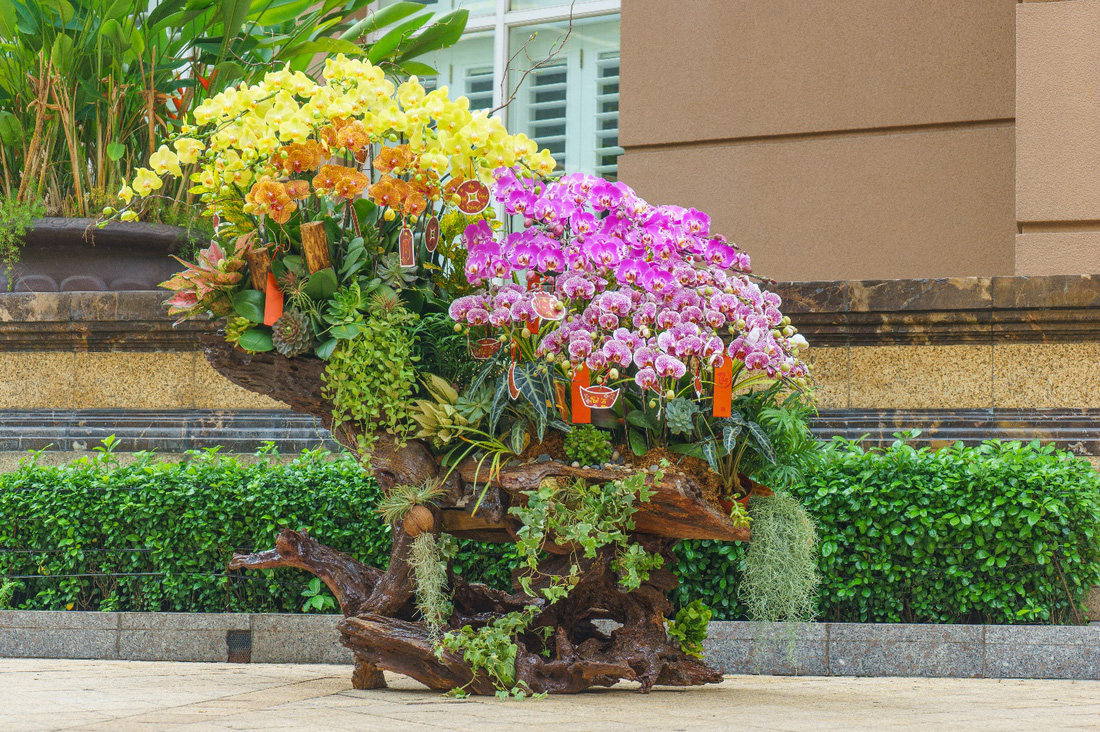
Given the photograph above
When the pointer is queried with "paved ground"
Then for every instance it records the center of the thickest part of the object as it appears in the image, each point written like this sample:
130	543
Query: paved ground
134	695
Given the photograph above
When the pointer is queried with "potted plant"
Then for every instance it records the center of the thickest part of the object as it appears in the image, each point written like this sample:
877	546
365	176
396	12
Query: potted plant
89	88
357	263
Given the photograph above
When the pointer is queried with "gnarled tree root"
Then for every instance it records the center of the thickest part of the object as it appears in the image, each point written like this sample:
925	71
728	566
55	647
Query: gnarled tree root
381	625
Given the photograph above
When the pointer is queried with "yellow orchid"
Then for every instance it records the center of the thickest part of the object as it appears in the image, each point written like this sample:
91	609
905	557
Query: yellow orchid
165	162
145	182
188	150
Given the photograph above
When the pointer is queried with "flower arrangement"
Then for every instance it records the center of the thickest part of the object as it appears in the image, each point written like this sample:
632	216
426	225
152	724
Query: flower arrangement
620	295
361	211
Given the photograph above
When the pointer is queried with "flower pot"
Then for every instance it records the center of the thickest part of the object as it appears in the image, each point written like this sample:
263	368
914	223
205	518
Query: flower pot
599	396
483	348
72	255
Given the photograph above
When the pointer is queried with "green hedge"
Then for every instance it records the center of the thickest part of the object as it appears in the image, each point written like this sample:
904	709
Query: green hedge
997	533
164	532
1001	533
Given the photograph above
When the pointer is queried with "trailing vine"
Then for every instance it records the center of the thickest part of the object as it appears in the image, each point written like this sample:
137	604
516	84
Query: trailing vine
582	517
370	378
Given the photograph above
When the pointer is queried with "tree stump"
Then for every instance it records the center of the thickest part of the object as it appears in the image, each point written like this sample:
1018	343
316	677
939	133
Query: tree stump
381	625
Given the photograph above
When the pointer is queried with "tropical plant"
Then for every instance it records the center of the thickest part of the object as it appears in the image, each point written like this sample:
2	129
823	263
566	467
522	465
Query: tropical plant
87	87
588	445
690	627
781	578
317	599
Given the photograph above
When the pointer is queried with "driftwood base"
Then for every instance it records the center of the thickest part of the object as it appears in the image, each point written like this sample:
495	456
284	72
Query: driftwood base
565	649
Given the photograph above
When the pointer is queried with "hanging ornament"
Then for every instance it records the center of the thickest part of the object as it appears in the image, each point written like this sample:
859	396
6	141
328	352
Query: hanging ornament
473	197
698	384
431	233
406	248
513	390
548	306
723	388
483	348
581	413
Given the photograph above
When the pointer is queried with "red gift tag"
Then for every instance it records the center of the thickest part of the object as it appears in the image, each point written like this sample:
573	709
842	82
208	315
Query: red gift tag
581	413
406	248
431	234
273	301
723	388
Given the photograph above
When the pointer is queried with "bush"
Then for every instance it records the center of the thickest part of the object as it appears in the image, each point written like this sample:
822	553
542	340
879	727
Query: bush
163	533
998	533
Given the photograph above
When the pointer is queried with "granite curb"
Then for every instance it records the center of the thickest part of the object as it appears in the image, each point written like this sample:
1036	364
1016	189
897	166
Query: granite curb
817	649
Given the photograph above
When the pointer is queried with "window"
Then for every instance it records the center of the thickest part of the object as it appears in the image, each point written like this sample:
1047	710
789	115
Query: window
562	87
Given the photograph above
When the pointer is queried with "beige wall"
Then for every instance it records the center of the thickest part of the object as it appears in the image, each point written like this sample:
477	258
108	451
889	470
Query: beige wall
845	139
1058	137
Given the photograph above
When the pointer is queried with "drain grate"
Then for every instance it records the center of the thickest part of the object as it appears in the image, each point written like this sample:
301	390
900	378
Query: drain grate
239	643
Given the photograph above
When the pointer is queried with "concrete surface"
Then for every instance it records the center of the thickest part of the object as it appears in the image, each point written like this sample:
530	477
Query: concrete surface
134	695
817	649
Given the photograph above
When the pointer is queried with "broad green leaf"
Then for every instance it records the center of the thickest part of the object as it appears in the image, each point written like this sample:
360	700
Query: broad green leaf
115	151
322	284
249	304
256	340
385	45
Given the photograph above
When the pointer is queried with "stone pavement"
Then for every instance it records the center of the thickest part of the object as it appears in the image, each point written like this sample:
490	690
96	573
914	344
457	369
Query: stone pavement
134	695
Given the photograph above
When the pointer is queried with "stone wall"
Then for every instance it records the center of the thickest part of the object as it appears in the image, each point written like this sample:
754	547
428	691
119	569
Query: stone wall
966	358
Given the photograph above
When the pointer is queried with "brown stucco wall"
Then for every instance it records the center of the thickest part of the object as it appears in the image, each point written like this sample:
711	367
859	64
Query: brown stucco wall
842	139
1058	137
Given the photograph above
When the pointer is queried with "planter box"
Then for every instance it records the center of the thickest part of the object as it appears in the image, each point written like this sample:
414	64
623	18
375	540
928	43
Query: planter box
816	649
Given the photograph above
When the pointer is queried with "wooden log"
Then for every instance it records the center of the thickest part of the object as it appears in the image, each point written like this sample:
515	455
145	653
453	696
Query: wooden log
315	246
259	262
676	509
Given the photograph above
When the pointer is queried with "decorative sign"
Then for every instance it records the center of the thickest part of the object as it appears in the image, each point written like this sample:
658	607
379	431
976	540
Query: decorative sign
273	301
473	197
483	348
723	388
599	396
513	390
406	248
548	306
431	233
581	413
698	382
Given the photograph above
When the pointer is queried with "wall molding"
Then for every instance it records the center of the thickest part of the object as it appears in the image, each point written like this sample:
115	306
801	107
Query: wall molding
244	431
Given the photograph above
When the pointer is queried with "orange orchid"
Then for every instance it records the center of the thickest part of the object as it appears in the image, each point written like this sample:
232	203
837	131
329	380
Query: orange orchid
329	176
298	157
389	192
297	189
414	204
393	158
351	185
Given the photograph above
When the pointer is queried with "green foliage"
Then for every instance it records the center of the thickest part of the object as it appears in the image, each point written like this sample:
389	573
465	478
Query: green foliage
85	132
587	517
690	627
370	377
781	576
492	649
588	445
443	351
982	534
15	218
429	567
999	533
7	592
317	599
170	529
400	500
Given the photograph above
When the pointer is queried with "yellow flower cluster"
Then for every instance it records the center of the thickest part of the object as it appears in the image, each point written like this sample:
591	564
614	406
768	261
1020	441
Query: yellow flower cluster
241	136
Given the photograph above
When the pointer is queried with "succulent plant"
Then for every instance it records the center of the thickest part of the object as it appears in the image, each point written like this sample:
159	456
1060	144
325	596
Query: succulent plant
680	415
235	327
393	274
588	445
292	334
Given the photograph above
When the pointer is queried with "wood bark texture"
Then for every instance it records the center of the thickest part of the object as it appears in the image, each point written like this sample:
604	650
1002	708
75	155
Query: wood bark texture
566	649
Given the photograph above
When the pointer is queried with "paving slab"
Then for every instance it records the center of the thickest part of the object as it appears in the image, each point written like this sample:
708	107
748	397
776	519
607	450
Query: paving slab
46	694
